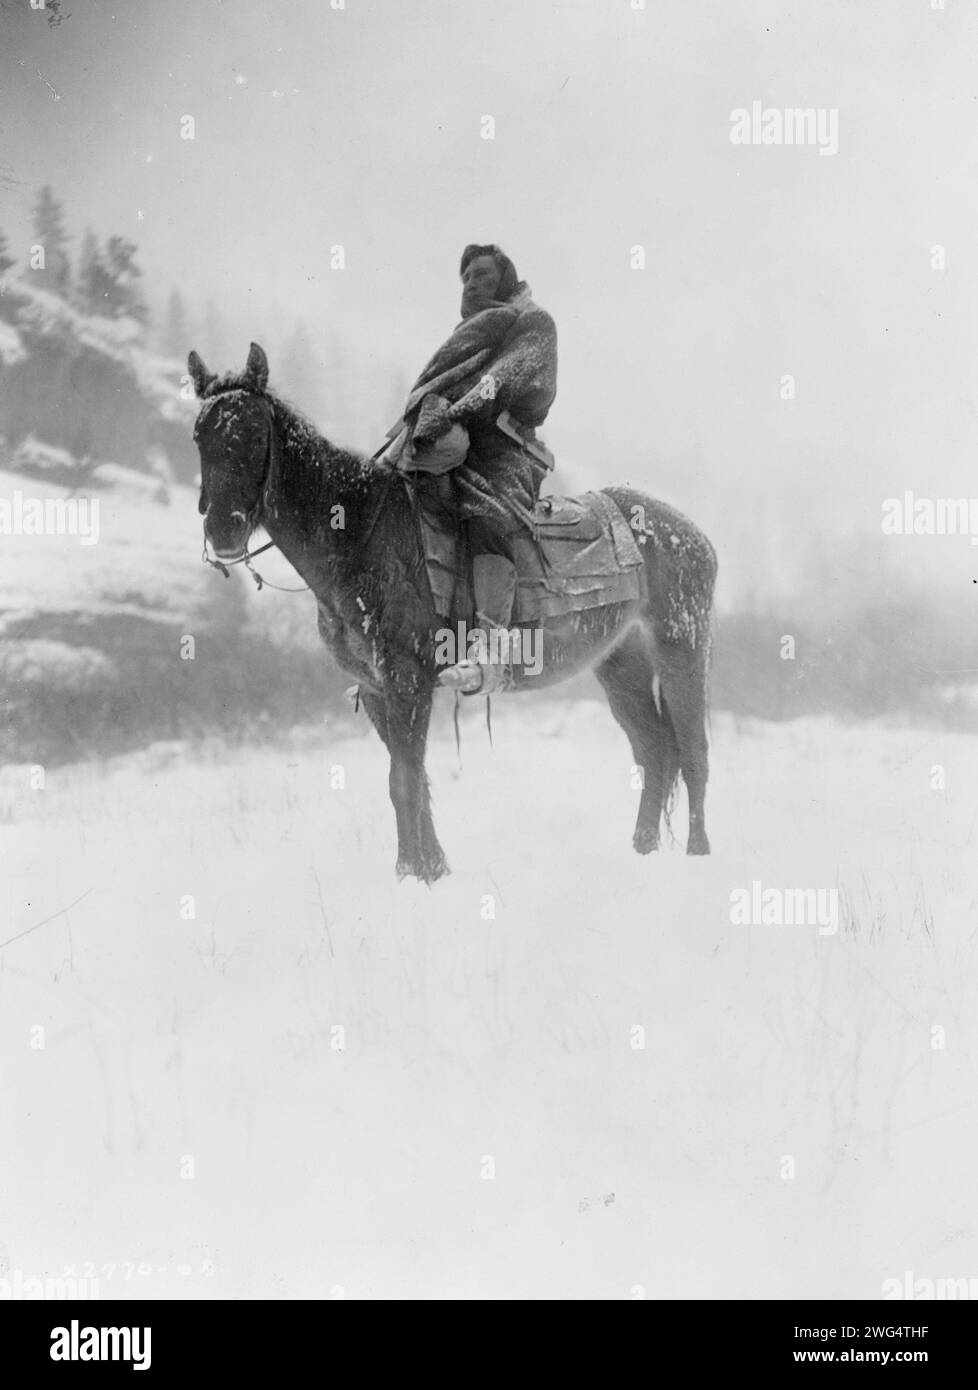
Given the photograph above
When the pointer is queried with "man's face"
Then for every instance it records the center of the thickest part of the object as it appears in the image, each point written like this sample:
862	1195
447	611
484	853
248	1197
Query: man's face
480	284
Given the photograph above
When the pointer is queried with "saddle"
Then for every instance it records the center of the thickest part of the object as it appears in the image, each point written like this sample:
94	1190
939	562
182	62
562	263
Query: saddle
576	553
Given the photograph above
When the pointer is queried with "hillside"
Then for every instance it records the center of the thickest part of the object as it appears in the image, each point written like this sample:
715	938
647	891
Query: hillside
87	384
92	637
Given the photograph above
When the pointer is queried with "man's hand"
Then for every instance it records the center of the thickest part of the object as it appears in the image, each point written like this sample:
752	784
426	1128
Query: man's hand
434	420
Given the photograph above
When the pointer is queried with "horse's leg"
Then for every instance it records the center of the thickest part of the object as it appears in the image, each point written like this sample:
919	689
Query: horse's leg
403	725
682	672
431	851
627	675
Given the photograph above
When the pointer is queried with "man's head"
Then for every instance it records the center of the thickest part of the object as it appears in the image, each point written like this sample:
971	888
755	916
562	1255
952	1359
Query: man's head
487	277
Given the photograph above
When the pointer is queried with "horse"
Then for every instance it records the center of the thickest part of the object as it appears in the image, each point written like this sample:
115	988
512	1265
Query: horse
348	525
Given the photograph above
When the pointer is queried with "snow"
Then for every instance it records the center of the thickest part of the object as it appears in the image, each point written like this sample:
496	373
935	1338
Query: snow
47	315
12	348
33	456
142	486
148	551
361	1171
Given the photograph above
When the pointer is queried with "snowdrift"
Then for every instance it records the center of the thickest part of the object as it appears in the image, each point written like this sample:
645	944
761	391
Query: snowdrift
269	1070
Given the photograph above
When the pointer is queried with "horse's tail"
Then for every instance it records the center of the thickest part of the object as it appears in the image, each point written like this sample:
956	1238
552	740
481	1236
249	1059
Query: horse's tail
668	746
707	669
707	638
668	742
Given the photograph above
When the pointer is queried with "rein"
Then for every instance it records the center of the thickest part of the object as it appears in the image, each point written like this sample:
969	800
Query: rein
225	567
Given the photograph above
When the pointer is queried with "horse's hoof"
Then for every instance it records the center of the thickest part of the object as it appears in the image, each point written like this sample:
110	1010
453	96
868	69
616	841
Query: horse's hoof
701	845
645	841
439	869
428	871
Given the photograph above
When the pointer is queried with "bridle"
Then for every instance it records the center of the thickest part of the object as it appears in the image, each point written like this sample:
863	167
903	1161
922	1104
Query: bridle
225	566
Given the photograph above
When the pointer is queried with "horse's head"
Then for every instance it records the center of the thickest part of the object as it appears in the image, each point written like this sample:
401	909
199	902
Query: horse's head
235	435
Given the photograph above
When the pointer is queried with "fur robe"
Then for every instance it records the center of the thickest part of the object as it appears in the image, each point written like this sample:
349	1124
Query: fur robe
502	358
514	343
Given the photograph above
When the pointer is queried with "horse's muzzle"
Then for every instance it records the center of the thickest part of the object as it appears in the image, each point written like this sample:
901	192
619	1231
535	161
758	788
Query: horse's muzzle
230	541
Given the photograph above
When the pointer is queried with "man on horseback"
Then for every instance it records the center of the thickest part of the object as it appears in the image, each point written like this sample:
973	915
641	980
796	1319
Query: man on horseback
468	437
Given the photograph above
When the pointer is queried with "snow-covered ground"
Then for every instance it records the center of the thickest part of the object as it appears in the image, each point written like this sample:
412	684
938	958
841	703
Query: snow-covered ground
562	1072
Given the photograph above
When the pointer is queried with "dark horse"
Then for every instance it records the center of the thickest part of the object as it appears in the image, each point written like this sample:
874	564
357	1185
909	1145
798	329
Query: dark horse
349	527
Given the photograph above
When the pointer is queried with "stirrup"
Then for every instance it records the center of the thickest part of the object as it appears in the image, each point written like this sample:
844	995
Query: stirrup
470	677
465	676
477	677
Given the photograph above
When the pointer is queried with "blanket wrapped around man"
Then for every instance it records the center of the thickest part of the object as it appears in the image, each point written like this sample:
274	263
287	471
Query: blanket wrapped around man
501	359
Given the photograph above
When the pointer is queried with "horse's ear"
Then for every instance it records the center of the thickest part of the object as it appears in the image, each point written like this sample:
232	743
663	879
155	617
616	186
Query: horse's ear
256	369
199	374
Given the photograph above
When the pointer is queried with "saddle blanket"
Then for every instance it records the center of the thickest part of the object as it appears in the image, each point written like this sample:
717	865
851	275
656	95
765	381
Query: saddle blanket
584	556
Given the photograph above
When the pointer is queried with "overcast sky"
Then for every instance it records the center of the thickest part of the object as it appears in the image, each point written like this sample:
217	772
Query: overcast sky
362	127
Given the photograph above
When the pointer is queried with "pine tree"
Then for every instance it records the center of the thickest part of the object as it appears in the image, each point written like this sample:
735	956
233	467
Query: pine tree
91	281
49	233
9	299
7	261
124	292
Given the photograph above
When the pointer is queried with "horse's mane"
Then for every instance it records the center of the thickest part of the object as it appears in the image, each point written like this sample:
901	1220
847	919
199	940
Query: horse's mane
311	469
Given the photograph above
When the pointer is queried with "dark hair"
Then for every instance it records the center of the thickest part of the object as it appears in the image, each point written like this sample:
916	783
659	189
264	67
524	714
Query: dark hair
508	278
